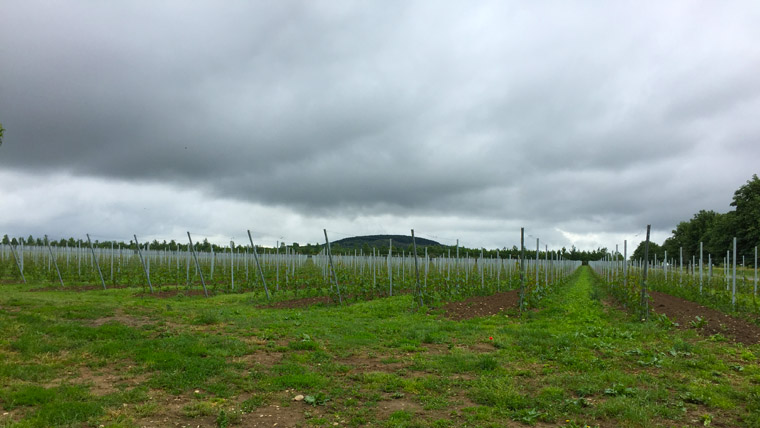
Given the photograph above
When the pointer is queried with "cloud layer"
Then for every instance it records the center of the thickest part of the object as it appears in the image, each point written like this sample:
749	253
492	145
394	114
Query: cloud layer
462	118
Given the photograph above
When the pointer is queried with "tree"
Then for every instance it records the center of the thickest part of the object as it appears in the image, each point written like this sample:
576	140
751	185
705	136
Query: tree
747	215
688	235
719	237
6	240
654	250
2	131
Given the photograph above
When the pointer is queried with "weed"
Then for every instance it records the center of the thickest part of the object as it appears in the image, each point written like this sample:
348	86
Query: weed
698	322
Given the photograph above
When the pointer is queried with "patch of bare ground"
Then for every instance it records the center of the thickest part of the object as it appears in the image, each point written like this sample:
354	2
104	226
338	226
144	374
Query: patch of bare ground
299	303
481	347
366	363
275	415
121	318
172	413
177	411
481	306
713	322
77	288
165	294
263	358
386	408
101	381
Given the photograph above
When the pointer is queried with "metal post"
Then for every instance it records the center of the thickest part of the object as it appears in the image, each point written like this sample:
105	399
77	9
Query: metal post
700	266
258	265
142	261
733	288
197	265
112	262
18	263
418	291
538	284
390	267
522	268
55	263
332	267
625	264
96	262
232	265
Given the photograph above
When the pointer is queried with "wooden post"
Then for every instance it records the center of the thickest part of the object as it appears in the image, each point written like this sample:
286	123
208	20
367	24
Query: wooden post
644	296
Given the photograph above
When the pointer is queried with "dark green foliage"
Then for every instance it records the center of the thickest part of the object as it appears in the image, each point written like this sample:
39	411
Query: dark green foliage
715	230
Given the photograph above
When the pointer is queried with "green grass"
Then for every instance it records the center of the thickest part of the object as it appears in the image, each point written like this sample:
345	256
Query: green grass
573	361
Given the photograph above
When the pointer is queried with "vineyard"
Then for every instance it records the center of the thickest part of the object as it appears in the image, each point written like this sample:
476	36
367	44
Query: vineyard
112	335
281	274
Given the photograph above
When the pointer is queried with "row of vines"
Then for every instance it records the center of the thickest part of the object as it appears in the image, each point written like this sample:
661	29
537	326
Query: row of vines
730	286
283	274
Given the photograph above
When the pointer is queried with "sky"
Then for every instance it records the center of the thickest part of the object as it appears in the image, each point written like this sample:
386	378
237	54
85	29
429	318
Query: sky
581	121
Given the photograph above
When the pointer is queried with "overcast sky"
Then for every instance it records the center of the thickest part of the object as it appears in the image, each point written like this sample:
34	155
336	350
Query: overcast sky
581	121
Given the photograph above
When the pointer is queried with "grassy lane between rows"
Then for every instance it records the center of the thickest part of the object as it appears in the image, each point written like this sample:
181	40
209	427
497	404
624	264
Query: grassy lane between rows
111	359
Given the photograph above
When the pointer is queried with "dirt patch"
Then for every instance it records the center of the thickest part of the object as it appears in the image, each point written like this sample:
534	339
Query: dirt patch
172	413
77	288
386	408
100	382
365	363
263	358
277	416
300	303
714	322
121	318
105	382
10	308
481	306
165	294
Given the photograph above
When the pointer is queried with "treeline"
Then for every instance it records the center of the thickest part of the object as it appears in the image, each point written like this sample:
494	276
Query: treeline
154	245
715	231
433	251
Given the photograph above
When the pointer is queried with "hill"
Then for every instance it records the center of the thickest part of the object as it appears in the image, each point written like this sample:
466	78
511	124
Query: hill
381	241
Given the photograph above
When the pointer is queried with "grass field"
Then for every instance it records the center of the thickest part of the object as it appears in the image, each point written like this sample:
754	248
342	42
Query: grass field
113	359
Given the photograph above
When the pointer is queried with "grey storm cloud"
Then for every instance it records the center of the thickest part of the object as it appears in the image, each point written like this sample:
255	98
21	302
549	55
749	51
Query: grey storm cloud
618	114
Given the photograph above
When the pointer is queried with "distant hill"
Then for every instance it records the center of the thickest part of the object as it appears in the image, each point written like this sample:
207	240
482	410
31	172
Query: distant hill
381	241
